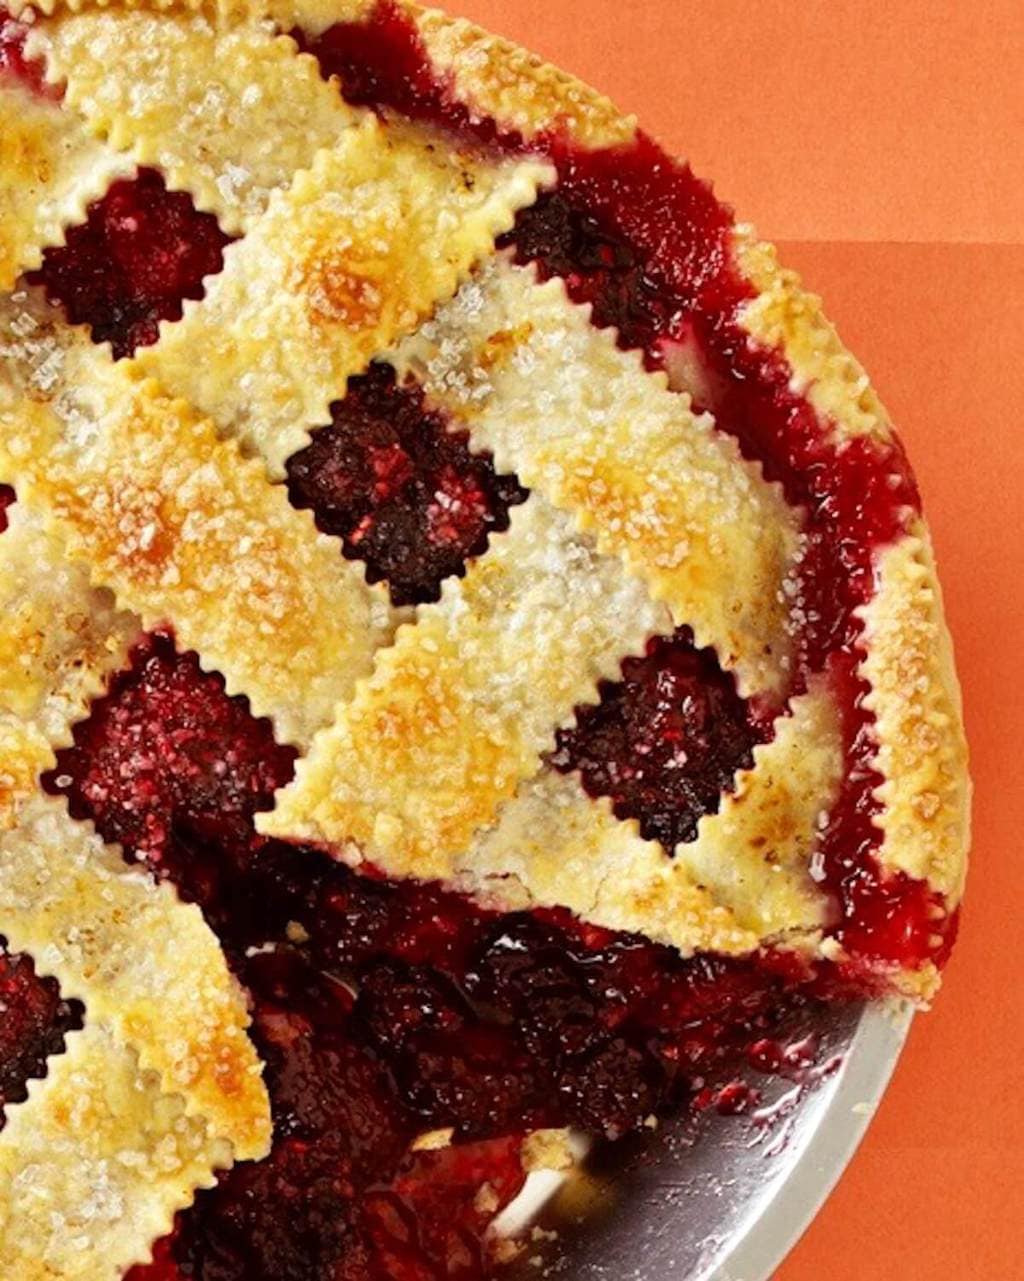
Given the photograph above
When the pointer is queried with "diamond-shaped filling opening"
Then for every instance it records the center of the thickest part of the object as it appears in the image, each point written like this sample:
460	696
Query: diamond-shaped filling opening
140	253
402	489
171	768
665	741
34	1022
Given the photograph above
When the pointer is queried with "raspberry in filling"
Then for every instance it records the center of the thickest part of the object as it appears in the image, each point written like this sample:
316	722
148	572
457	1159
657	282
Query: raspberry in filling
665	741
140	253
173	770
6	499
402	491
34	1020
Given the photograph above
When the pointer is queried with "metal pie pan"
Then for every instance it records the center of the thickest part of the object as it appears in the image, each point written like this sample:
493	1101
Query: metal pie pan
717	1198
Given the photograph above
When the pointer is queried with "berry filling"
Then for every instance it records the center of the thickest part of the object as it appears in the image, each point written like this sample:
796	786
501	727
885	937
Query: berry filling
386	1010
6	499
636	235
380	62
402	491
34	1020
140	253
665	741
172	770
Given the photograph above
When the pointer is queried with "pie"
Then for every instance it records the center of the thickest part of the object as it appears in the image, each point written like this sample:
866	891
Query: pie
472	657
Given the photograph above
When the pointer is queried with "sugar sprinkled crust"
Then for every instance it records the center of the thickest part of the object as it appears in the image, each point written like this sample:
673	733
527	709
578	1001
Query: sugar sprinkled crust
180	527
556	402
757	853
494	77
146	965
922	753
783	316
354	255
94	1164
49	171
460	708
59	637
185	98
555	846
743	880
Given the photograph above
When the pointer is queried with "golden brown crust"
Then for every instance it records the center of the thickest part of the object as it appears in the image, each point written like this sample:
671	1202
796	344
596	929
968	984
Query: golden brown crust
926	827
783	316
49	171
654	484
147	966
343	263
459	710
94	1165
915	697
492	76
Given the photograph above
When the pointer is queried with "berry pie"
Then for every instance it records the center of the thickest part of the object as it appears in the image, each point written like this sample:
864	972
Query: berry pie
471	652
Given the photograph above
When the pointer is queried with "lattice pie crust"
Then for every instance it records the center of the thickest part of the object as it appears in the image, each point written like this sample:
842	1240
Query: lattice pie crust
148	493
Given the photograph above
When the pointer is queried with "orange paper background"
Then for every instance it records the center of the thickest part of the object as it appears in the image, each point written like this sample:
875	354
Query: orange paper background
883	146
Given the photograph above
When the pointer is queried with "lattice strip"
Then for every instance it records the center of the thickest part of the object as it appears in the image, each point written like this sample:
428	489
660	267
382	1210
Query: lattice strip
59	639
352	257
185	98
95	1161
145	964
459	710
555	846
183	530
557	402
495	78
49	171
922	756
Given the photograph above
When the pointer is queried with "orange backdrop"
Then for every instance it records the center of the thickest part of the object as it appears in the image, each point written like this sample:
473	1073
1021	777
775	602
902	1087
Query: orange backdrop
882	144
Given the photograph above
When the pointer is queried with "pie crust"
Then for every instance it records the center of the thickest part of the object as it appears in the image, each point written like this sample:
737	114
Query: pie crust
148	494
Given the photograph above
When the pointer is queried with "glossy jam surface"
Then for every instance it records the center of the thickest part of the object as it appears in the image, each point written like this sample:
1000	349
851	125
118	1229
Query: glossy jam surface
140	253
341	1195
665	741
404	493
34	1020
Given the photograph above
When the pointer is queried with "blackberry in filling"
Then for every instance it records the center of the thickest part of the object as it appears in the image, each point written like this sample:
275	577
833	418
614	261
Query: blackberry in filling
400	488
665	741
384	1010
635	234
